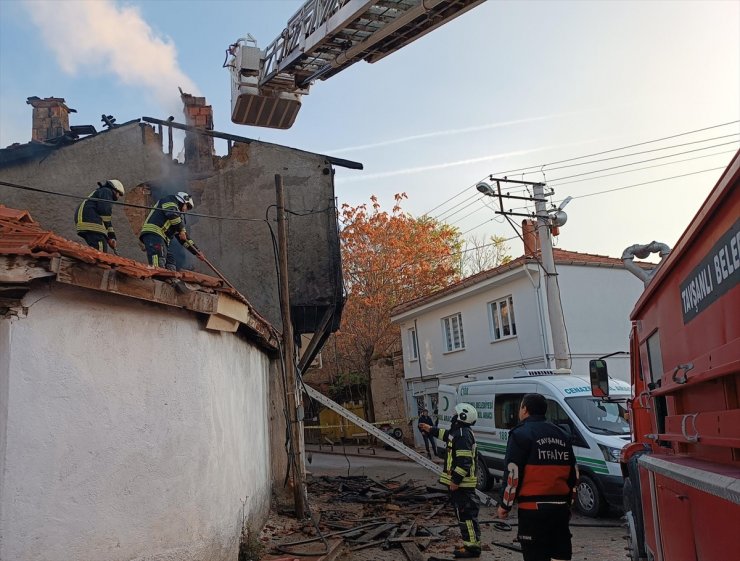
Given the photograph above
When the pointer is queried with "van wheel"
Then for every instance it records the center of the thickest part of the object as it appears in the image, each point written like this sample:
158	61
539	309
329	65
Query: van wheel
588	499
485	481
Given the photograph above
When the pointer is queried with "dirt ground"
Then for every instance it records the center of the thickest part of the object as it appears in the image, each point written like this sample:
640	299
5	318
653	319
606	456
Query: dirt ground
593	539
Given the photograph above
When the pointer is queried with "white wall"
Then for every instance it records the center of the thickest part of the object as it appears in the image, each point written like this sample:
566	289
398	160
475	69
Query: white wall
482	355
132	433
597	303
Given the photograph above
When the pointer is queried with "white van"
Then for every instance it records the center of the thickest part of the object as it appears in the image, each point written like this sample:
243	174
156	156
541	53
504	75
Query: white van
599	427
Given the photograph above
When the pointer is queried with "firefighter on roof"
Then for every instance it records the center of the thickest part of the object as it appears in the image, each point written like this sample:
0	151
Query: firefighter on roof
165	221
460	474
93	217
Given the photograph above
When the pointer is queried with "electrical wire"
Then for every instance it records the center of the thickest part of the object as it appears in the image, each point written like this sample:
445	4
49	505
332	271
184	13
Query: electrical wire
145	207
541	167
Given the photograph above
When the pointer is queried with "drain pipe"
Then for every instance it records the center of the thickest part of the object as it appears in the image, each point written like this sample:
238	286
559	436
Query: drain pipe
641	252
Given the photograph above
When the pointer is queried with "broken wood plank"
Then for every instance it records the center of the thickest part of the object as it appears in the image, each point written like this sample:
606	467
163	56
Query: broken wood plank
375	532
412	551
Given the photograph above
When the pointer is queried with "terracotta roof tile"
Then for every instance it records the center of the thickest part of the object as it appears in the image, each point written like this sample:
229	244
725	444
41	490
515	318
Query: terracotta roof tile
21	235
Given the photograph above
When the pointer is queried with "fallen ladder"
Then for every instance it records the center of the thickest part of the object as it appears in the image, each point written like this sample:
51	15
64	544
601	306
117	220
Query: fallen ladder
386	438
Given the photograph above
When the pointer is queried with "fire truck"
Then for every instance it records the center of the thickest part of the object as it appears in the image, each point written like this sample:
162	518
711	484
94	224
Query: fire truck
682	468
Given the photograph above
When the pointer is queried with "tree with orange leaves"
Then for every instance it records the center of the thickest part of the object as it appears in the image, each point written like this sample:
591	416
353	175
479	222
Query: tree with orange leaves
387	259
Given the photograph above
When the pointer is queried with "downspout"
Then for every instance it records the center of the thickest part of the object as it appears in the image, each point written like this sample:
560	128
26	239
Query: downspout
641	252
537	289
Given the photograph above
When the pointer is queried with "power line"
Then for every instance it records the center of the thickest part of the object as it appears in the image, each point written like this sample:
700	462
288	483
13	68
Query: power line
624	165
646	183
725	152
131	205
643	161
616	189
540	167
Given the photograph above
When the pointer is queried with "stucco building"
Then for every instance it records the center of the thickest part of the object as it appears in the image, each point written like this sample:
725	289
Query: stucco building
496	322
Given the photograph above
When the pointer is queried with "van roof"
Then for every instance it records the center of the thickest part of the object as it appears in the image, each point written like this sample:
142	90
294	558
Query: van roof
566	384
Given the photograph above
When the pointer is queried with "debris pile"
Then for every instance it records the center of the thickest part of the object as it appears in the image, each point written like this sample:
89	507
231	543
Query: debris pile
366	513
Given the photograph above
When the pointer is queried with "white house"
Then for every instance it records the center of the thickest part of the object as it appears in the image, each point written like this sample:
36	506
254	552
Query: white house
496	322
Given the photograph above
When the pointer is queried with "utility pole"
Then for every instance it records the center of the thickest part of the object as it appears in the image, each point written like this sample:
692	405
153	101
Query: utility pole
554	307
291	391
544	221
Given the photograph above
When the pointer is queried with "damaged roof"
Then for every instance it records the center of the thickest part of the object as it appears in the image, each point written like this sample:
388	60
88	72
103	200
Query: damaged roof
23	241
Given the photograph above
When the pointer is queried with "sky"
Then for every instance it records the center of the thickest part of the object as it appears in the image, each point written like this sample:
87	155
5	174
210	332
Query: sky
527	90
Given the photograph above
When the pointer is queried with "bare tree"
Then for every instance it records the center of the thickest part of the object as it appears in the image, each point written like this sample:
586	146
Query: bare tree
481	254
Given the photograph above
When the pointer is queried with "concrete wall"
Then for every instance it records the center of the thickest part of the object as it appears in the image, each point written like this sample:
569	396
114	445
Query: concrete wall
130	432
386	384
241	185
244	186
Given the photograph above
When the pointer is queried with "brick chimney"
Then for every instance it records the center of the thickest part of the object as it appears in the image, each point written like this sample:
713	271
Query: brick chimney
50	117
198	147
531	238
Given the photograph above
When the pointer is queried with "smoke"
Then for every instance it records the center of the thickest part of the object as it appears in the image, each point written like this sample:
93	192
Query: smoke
101	37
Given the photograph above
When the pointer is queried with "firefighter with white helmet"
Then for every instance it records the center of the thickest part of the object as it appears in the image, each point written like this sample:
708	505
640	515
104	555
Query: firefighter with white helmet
165	221
93	218
460	474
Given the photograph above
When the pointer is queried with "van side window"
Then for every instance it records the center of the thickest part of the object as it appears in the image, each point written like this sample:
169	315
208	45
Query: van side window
506	410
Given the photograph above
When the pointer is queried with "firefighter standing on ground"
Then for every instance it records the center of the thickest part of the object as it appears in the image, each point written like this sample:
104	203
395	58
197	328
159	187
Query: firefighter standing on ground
165	221
460	474
541	477
93	218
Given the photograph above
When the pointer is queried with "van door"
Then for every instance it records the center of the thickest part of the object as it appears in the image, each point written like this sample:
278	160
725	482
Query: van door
505	418
557	415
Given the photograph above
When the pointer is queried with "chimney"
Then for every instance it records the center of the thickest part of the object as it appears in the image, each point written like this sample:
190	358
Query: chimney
50	118
198	147
531	239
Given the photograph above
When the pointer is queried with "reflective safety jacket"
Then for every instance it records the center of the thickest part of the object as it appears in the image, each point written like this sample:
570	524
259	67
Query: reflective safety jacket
167	221
95	215
540	465
462	456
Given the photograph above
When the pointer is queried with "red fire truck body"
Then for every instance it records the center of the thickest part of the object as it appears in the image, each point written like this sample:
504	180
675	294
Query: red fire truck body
682	471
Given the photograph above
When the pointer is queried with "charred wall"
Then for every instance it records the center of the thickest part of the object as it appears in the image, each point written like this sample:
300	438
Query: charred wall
237	194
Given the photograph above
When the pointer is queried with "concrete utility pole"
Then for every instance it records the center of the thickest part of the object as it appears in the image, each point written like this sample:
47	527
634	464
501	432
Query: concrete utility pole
554	307
296	424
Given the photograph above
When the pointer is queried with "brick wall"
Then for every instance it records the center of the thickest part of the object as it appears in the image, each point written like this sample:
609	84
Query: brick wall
198	147
386	379
50	117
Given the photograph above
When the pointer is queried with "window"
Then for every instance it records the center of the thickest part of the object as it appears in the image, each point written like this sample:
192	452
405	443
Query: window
506	410
501	318
453	331
413	344
654	357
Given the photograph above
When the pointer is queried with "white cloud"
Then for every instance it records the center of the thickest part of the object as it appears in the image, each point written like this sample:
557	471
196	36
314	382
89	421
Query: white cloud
109	39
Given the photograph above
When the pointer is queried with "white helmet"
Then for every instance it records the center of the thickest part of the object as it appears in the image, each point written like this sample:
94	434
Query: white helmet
185	199
117	186
466	413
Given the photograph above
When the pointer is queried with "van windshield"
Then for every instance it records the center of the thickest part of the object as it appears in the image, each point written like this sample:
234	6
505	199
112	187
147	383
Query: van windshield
599	416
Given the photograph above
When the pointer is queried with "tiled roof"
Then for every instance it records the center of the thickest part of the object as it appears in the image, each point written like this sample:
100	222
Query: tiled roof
20	235
561	256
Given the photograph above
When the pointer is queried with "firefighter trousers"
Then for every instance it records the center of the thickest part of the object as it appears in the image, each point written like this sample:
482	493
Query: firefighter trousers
157	252
466	508
96	240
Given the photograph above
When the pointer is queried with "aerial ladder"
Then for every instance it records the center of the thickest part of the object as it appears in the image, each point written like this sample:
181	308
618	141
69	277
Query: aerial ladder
321	39
385	438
